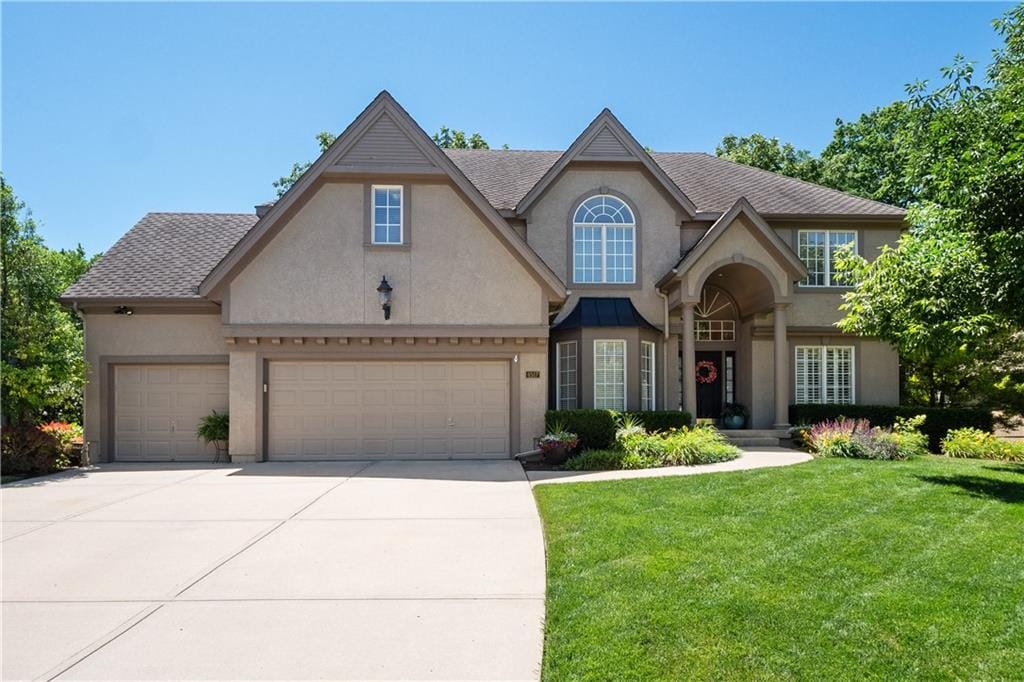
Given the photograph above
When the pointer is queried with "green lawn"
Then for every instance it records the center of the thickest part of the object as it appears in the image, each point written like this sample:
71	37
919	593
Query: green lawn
834	569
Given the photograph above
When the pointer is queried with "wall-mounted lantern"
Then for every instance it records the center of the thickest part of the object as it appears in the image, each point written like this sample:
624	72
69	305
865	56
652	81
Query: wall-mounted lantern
384	293
123	310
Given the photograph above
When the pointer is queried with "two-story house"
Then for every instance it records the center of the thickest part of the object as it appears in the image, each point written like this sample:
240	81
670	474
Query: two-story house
401	300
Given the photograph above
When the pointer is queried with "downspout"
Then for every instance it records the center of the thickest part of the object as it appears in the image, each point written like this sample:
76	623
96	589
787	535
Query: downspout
664	350
86	459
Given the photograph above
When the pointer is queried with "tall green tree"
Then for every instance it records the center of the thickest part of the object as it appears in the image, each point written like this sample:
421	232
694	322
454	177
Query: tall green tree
446	138
771	155
41	345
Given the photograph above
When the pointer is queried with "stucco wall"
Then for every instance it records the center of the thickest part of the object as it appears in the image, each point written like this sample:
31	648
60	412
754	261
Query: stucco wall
141	335
318	271
658	232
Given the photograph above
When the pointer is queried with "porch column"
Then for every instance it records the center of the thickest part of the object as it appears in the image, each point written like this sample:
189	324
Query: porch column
689	363
781	368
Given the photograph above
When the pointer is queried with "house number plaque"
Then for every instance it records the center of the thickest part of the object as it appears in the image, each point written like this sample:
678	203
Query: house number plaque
533	374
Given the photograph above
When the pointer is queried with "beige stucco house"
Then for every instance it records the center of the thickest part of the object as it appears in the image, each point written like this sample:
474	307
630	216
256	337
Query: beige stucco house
514	281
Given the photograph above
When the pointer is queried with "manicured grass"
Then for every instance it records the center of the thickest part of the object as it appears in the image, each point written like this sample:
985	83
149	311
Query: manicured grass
834	569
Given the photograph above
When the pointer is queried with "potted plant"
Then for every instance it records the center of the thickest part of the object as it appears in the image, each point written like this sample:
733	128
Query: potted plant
214	428
734	416
557	445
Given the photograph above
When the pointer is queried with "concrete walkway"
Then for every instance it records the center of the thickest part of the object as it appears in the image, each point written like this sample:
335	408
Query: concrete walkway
391	570
752	458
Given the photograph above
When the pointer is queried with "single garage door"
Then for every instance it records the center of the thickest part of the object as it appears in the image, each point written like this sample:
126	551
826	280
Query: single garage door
157	408
358	410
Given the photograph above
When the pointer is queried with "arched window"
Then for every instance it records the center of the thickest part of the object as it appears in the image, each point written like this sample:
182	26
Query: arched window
603	242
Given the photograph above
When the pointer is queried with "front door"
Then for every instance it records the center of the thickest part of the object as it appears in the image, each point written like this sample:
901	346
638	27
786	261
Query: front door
709	380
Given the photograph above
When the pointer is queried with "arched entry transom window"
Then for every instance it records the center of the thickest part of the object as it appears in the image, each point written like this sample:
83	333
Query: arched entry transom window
604	242
715	316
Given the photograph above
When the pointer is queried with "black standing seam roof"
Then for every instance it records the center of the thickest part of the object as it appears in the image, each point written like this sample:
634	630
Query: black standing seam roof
604	312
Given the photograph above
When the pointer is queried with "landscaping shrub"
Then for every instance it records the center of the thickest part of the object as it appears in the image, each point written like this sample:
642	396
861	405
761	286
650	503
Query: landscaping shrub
596	428
636	448
938	420
856	438
595	460
977	444
30	451
70	437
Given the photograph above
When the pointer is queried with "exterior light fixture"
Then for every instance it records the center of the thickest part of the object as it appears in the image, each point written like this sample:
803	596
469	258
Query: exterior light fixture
384	294
123	310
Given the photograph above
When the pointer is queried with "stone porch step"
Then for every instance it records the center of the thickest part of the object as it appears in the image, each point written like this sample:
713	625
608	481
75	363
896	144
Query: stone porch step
755	437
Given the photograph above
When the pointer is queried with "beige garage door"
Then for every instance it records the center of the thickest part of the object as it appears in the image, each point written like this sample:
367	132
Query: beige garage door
357	410
157	408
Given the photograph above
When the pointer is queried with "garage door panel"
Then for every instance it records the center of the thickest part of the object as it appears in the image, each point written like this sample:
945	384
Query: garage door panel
157	409
380	409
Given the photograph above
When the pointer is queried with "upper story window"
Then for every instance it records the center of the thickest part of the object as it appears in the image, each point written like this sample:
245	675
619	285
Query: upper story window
387	214
818	250
603	242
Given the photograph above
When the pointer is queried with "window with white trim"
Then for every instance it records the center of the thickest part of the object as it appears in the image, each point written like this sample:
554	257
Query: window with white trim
603	242
387	214
818	249
647	400
824	374
565	359
610	375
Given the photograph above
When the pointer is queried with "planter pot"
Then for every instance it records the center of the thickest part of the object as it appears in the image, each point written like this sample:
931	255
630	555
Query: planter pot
556	455
734	421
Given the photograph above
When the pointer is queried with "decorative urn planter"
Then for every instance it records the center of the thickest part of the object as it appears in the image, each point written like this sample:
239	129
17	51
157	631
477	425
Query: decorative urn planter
556	455
734	421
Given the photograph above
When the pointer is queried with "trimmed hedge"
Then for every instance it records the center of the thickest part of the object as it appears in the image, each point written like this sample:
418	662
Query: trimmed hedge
596	428
938	420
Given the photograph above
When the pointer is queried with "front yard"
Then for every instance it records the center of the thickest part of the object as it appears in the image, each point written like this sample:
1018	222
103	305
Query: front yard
834	569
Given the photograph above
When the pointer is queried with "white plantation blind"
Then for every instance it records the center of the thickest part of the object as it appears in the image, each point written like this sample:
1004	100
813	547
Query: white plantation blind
566	355
610	375
824	374
646	375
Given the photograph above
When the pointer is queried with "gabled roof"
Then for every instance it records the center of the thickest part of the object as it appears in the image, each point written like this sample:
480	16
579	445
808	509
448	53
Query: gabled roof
165	255
769	237
714	184
604	312
606	139
382	139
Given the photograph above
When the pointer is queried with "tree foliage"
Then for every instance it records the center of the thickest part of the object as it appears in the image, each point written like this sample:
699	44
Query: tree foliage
770	154
446	138
41	342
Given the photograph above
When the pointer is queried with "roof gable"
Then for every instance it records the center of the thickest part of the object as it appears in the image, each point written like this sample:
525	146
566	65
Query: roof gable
365	147
772	242
606	139
382	142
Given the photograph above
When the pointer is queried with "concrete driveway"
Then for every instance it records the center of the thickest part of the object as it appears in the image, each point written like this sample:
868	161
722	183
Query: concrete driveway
386	570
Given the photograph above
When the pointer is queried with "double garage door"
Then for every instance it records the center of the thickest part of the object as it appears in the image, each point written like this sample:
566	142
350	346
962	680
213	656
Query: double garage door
322	410
402	409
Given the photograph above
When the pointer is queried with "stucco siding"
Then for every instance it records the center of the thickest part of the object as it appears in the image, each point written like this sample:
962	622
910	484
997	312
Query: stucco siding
878	373
141	336
658	232
762	407
318	271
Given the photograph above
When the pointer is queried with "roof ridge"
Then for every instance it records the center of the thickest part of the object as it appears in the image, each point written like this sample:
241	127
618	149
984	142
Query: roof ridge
800	180
253	215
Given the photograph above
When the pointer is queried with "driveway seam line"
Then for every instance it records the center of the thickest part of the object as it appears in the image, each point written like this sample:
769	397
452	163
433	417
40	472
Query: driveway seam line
260	536
90	649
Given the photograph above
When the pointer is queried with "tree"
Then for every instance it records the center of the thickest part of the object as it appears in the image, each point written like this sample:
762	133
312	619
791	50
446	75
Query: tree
771	155
41	345
446	138
284	183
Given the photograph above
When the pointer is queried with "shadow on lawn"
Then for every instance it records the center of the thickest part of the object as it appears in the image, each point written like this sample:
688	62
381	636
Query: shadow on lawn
978	486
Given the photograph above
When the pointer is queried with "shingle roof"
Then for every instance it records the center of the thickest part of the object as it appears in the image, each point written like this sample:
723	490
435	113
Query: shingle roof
166	255
714	184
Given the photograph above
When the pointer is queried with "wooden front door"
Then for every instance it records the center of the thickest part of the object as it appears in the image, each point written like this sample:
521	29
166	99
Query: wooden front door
709	392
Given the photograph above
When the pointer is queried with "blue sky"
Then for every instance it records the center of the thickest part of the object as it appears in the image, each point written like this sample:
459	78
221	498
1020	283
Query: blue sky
113	110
